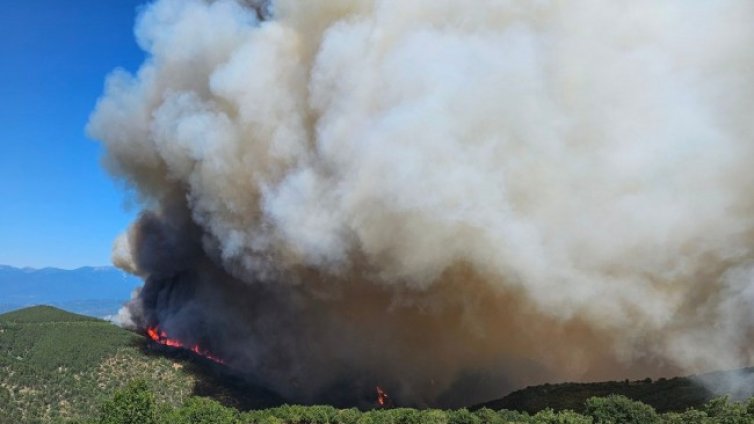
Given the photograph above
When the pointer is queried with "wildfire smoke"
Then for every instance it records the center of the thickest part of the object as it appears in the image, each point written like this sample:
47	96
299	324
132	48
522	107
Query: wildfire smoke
443	197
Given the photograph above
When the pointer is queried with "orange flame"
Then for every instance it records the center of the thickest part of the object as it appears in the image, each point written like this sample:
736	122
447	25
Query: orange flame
159	336
382	396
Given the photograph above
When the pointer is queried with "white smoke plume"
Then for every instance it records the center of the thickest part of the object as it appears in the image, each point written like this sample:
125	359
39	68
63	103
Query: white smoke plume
441	195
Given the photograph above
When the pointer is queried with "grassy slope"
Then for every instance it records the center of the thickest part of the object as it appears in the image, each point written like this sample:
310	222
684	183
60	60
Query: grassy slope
54	364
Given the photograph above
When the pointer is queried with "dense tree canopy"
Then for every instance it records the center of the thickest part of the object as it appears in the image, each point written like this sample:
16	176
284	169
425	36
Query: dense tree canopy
136	404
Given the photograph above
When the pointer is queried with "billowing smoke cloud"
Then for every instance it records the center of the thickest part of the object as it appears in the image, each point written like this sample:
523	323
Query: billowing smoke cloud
447	199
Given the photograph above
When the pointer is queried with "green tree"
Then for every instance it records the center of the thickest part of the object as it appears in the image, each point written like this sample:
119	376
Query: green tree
691	416
515	417
548	416
347	416
488	416
434	416
725	412
463	416
618	409
403	416
199	410
135	404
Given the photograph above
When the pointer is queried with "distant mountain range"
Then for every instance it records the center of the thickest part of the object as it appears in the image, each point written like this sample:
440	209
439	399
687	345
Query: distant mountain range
93	291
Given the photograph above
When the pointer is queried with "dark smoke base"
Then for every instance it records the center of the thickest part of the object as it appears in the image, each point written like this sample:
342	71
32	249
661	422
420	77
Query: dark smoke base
281	336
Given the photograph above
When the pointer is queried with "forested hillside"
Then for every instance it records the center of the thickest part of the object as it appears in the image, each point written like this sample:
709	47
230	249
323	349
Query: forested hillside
61	367
54	365
664	394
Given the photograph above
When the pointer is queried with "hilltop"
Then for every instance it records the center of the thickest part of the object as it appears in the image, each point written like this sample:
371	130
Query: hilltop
55	364
664	394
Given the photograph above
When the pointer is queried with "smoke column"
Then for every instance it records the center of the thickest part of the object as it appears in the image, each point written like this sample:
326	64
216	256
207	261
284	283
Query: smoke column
445	199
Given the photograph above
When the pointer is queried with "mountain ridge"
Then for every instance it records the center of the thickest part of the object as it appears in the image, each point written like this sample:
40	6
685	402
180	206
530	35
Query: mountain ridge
663	394
91	290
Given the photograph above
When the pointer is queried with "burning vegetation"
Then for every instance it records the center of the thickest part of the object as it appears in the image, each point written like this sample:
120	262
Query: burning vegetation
383	400
161	337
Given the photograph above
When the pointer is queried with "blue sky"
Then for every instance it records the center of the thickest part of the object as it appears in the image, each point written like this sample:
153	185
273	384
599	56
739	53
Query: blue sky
57	206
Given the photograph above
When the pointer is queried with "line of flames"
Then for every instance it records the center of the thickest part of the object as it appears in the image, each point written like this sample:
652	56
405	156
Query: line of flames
161	337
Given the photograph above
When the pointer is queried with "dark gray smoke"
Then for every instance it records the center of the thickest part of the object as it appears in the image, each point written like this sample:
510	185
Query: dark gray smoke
449	200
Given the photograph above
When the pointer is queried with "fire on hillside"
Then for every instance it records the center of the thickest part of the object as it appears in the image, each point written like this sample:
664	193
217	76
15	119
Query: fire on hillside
383	400
161	337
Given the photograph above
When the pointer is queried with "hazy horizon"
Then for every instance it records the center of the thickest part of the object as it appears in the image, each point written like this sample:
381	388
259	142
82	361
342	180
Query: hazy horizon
95	291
